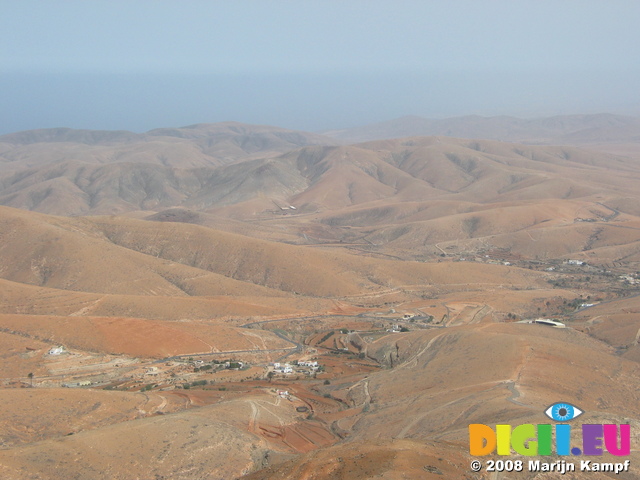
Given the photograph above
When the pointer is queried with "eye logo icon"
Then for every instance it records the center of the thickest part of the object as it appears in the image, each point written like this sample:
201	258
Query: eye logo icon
563	412
538	440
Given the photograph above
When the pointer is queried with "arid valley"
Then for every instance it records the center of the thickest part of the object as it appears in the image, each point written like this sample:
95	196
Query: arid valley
225	301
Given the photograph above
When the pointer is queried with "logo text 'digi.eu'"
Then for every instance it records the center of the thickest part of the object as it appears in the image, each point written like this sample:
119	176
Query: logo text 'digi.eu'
532	440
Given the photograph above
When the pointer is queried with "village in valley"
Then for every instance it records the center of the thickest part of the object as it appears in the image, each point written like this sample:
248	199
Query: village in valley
320	348
325	346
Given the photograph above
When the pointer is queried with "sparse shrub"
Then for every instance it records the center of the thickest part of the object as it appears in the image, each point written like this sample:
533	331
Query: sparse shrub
470	225
326	337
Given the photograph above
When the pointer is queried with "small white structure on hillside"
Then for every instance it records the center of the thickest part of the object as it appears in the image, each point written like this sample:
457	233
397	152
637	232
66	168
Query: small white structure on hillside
308	364
549	322
57	350
574	262
279	368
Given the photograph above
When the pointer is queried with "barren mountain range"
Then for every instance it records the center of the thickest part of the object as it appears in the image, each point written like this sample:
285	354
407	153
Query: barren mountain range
153	286
559	130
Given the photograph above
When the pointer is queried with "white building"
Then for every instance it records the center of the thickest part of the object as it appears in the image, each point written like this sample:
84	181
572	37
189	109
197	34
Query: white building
286	368
575	262
308	364
549	322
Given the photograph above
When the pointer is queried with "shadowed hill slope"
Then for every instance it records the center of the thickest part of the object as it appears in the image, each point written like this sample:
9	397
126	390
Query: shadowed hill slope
127	256
312	178
439	382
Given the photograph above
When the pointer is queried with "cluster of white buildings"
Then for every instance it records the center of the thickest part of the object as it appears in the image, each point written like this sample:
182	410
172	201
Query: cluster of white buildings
282	368
81	383
574	262
308	364
629	279
287	368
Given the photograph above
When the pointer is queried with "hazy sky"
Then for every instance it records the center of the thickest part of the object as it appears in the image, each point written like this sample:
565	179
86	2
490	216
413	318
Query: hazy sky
311	65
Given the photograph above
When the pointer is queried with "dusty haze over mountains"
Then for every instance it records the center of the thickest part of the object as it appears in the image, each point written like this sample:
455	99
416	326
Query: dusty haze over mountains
558	130
312	66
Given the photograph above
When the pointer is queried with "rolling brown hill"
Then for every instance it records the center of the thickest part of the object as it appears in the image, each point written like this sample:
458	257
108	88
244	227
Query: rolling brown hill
414	413
73	254
417	412
20	298
200	443
139	337
135	257
210	144
316	178
409	195
615	323
64	171
412	198
518	360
